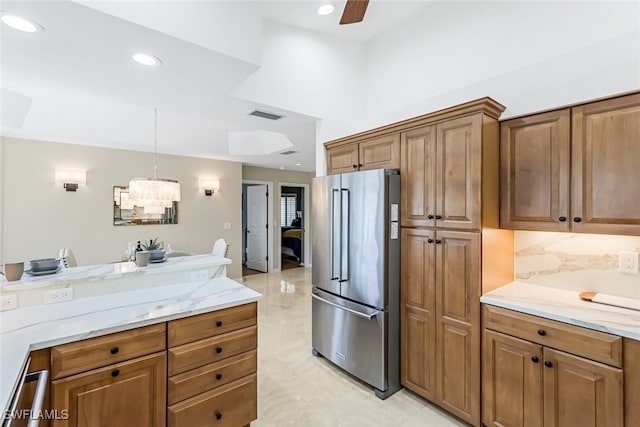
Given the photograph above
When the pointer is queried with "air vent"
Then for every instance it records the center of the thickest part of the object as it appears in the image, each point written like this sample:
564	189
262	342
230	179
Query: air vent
265	115
288	152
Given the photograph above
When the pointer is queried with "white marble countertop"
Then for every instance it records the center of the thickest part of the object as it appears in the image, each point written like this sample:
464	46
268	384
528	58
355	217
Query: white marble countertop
42	326
116	270
565	306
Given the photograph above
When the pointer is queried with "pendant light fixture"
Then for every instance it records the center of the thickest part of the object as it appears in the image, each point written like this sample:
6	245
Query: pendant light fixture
154	194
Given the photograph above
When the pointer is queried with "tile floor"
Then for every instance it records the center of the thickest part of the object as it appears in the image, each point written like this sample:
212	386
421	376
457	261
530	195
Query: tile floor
297	389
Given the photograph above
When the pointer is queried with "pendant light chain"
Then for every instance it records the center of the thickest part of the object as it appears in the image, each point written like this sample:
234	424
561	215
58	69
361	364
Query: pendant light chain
155	143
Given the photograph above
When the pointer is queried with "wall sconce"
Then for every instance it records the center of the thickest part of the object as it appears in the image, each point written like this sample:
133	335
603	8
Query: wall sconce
70	178
209	185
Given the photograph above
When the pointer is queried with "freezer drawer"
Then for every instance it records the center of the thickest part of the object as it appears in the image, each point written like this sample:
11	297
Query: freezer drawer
352	336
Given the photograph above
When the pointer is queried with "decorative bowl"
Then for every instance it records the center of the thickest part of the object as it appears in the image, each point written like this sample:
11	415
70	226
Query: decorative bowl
156	254
44	264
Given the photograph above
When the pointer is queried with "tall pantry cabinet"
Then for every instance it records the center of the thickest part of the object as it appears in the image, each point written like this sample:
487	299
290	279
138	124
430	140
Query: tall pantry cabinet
452	251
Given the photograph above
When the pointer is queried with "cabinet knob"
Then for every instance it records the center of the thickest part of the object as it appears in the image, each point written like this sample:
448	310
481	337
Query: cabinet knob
219	323
114	350
577	219
218	376
115	373
438	216
535	359
429	240
355	166
541	332
548	363
218	416
430	216
360	165
218	350
562	219
438	241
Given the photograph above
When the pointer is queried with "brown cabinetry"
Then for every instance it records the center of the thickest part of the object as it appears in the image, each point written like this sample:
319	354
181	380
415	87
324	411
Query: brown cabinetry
376	153
526	382
212	368
574	169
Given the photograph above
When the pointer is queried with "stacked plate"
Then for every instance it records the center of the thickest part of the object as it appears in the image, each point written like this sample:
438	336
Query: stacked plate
43	266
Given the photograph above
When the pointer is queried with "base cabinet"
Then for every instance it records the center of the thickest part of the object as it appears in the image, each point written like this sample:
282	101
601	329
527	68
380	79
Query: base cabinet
528	384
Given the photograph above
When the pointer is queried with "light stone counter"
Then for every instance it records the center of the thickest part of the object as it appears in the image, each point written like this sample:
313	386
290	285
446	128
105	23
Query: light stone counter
42	326
565	306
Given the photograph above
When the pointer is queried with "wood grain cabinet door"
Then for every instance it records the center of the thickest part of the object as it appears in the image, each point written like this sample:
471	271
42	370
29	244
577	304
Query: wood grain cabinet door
380	153
418	177
535	169
458	191
605	165
579	392
131	393
418	325
512	381
458	323
342	159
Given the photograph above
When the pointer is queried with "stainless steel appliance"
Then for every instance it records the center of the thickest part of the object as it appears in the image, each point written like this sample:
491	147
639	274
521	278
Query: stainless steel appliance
356	275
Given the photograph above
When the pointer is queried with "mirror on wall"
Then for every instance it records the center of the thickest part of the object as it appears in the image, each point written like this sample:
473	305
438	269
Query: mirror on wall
125	212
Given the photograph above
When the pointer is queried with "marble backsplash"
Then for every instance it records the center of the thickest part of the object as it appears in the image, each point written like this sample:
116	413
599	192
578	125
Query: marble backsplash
575	262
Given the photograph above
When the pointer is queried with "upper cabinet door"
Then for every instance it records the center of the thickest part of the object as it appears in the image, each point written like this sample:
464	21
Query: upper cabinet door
458	193
605	163
534	175
418	177
341	159
380	153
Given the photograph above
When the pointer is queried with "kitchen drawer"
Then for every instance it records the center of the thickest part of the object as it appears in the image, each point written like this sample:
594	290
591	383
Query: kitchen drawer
81	356
207	325
200	353
208	377
594	345
232	405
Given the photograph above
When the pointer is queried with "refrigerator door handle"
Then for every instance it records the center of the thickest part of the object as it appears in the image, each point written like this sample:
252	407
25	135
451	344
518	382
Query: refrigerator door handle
335	235
357	313
344	238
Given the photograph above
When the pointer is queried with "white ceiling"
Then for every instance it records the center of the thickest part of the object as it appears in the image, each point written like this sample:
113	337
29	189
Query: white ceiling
85	89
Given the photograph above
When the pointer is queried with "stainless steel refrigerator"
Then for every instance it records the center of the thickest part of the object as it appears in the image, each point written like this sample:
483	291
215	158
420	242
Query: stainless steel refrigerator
356	275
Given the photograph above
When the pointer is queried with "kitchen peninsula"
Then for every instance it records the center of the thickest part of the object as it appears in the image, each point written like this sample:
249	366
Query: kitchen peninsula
155	329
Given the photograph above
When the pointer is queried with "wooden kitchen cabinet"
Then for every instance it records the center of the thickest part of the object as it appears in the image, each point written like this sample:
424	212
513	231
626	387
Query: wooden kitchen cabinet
534	166
575	169
131	393
382	152
440	328
418	177
528	383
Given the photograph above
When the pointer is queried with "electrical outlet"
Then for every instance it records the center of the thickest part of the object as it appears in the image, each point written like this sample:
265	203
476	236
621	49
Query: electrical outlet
629	262
8	302
58	295
199	275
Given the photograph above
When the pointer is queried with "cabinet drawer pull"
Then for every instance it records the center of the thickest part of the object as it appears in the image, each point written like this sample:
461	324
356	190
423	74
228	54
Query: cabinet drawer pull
577	219
541	332
115	373
562	219
218	350
218	376
548	363
218	416
218	323
534	359
438	216
430	216
114	350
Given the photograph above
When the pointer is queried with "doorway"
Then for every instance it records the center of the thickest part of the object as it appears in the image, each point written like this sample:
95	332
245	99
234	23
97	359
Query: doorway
257	235
294	222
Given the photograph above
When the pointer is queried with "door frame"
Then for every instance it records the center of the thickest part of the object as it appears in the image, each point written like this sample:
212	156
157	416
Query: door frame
269	185
306	260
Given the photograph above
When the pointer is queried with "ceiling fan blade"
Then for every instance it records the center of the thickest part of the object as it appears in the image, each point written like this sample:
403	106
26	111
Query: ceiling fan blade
354	11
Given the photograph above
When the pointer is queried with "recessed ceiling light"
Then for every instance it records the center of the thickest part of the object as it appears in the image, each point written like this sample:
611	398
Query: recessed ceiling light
326	9
298	164
282	167
21	24
146	59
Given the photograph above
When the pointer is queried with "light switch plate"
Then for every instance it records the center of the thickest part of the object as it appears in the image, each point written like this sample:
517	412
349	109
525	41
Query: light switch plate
629	262
8	302
58	295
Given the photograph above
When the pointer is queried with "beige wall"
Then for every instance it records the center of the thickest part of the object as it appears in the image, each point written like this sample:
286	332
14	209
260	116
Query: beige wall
278	176
39	217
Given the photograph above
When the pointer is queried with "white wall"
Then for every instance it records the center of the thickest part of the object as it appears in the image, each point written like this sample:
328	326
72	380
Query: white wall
39	217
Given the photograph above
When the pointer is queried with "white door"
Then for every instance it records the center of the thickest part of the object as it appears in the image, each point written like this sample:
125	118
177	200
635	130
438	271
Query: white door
257	227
